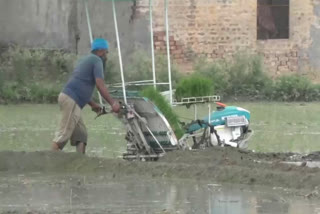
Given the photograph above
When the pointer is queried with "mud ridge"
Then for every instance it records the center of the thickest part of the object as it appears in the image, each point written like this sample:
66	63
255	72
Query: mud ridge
226	165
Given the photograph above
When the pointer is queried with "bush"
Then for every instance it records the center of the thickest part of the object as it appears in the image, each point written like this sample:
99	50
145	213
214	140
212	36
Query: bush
40	94
50	69
247	77
20	68
314	93
194	86
242	76
295	88
112	70
216	72
9	92
34	93
162	72
140	68
25	65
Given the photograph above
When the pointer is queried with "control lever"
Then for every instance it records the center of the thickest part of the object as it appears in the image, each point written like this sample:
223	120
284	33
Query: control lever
102	112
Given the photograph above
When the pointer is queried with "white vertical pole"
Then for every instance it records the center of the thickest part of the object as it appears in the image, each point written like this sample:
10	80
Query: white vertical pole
88	20
209	108
168	50
152	44
90	36
210	210
119	52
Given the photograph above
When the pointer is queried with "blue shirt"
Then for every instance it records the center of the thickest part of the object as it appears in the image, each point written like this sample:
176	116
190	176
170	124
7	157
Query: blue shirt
81	85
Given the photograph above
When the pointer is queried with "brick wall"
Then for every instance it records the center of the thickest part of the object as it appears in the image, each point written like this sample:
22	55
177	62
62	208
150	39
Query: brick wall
218	29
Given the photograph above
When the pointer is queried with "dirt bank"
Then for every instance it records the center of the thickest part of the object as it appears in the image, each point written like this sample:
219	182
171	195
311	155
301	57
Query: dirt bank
217	165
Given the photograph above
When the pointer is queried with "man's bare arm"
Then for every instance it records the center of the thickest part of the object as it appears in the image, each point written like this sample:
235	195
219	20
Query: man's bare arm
104	91
92	103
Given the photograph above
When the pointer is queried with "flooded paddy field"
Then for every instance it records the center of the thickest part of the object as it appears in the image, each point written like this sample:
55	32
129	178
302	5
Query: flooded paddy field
272	177
213	181
76	194
31	127
278	127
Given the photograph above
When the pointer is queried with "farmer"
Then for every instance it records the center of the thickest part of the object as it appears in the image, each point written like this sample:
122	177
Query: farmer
77	94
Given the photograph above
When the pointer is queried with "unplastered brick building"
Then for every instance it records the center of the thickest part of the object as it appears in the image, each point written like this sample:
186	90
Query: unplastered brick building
285	32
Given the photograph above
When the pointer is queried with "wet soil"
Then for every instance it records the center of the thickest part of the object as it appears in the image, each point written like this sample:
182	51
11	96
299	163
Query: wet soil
223	165
38	193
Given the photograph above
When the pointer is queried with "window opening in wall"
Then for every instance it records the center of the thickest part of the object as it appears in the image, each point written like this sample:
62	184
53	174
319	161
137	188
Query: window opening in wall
273	19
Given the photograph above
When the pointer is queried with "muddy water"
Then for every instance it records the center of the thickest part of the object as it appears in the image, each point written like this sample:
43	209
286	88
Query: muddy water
31	127
41	182
38	193
307	163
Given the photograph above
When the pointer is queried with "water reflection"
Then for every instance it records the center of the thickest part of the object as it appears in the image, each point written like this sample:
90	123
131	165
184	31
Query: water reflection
101	195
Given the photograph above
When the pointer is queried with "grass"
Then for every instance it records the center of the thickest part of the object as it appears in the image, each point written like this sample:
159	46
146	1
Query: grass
278	127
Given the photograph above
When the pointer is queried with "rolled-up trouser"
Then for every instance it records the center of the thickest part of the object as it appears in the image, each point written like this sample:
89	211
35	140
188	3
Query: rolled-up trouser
71	123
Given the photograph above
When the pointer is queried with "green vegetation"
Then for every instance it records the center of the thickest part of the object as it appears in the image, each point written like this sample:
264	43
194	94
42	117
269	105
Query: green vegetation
241	77
36	93
139	67
33	75
165	108
38	76
194	86
295	88
245	77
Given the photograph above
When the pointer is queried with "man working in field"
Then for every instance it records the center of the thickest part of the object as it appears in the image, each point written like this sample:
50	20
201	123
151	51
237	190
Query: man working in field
78	92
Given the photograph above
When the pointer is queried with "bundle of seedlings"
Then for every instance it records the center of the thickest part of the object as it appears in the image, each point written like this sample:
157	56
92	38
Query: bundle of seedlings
165	108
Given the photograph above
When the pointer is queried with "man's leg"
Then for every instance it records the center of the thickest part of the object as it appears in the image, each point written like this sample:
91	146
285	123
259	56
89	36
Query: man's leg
58	146
79	137
55	146
70	115
81	148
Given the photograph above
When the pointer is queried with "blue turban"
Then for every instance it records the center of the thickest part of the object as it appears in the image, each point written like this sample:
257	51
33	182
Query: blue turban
99	44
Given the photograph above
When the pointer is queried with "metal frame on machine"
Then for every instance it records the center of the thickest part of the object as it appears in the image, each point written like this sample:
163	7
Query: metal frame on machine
123	84
185	101
141	82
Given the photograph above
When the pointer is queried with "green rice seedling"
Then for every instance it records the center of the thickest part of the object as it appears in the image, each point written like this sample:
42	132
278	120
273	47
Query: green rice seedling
194	86
165	108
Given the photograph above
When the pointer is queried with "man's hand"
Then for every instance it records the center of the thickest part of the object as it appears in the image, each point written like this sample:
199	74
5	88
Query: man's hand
96	108
115	107
105	94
